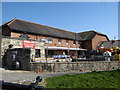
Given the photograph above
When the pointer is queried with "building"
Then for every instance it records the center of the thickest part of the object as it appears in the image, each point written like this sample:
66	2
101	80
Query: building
0	46
57	41
92	39
108	45
113	46
23	51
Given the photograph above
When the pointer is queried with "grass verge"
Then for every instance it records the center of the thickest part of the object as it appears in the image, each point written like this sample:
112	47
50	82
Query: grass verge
104	79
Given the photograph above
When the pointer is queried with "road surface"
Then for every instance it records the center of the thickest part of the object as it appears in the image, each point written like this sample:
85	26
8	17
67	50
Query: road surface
17	75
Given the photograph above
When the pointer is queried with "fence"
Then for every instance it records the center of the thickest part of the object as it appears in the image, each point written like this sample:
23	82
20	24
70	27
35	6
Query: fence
100	58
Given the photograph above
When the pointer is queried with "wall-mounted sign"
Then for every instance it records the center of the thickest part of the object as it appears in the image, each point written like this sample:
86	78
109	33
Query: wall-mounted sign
28	44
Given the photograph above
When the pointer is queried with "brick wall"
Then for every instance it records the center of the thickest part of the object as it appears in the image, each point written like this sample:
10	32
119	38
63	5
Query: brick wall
63	43
6	31
97	39
87	44
17	35
91	44
54	43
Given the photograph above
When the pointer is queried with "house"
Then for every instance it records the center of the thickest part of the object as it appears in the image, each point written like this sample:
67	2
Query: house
22	51
91	39
57	41
108	45
113	46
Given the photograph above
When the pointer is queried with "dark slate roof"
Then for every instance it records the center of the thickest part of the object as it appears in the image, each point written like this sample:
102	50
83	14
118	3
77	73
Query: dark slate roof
117	43
34	28
110	44
89	35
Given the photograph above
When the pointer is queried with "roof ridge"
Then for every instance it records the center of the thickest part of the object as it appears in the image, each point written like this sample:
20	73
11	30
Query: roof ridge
98	32
87	36
83	32
47	26
11	21
6	23
92	31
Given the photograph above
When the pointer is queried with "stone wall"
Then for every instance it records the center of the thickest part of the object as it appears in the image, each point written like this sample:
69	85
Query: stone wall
24	55
97	39
76	66
18	43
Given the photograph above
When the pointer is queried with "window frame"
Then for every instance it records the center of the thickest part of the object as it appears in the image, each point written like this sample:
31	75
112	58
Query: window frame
74	42
24	36
39	53
67	42
59	41
50	40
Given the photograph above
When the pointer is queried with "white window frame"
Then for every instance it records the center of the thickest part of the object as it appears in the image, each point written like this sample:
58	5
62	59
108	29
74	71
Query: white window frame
74	41
50	40
67	43
59	42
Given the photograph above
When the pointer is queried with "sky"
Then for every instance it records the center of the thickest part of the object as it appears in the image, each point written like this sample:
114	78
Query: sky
71	16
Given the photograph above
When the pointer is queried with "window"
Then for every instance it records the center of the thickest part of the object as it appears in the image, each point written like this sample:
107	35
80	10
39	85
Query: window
44	40
67	42
37	53
24	36
59	41
74	42
50	53
79	43
50	40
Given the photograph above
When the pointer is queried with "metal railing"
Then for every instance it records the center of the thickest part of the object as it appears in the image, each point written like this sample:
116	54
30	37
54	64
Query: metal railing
95	58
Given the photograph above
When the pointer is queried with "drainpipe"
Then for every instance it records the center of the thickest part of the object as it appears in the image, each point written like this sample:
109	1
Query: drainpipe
76	44
46	53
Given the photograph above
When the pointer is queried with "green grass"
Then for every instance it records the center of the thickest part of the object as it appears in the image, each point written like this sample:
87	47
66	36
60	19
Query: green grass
106	79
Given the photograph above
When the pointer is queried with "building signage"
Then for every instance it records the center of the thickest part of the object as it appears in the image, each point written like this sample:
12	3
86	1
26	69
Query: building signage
28	44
